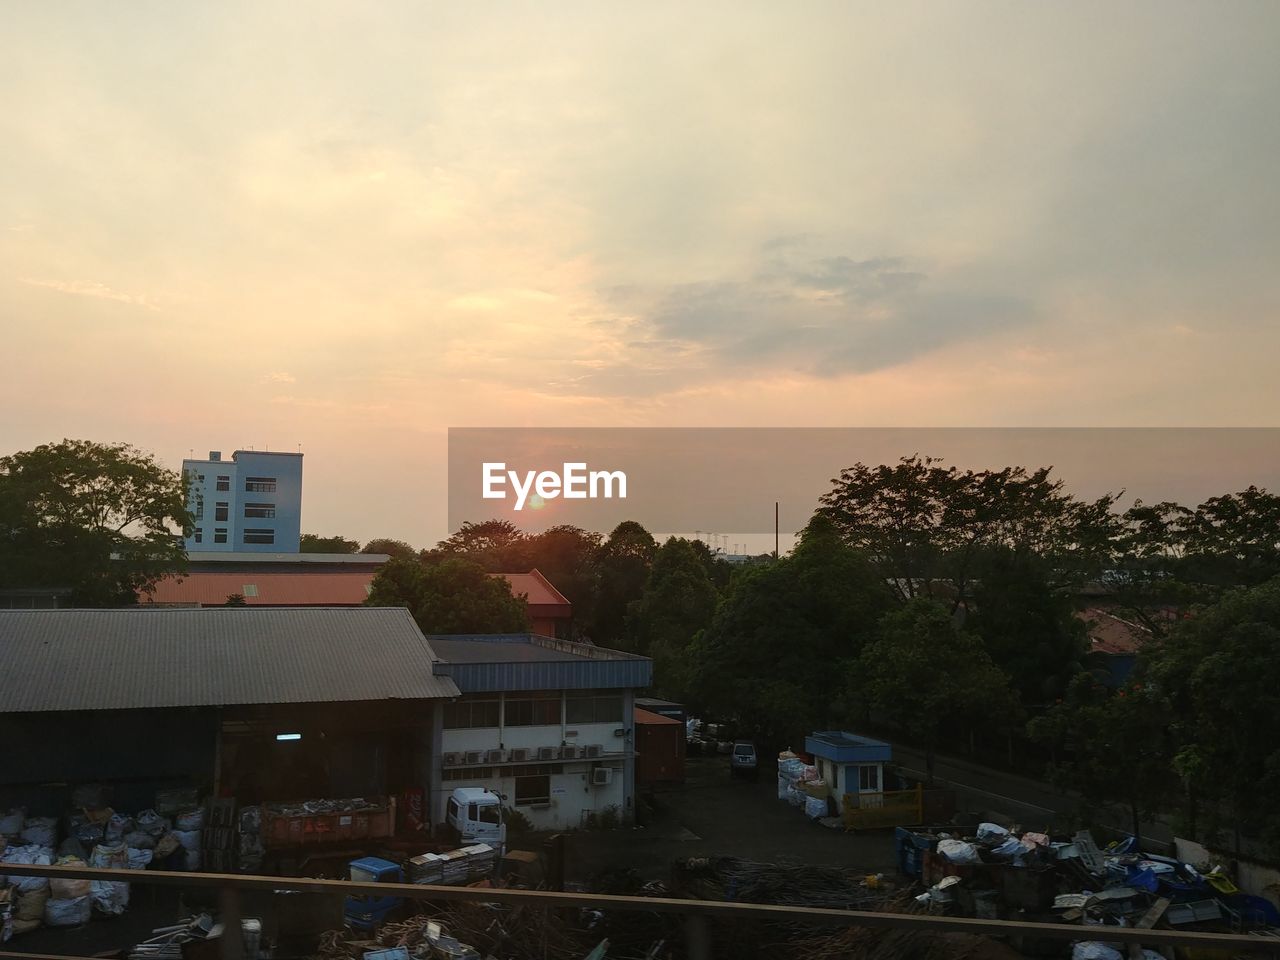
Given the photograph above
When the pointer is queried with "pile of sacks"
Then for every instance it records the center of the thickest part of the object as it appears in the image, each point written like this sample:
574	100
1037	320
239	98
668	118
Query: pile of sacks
991	842
94	837
793	771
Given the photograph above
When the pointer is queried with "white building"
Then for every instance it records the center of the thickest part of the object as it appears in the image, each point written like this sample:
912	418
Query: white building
251	503
546	723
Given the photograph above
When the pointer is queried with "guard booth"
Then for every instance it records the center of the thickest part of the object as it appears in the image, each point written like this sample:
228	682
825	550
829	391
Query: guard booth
852	766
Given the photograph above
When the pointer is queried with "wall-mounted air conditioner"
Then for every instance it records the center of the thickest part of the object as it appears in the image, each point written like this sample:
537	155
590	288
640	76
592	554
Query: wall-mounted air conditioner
495	756
475	756
454	759
570	751
548	753
592	751
601	776
519	754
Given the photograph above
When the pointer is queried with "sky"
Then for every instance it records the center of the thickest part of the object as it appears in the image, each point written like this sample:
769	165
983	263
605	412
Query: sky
345	228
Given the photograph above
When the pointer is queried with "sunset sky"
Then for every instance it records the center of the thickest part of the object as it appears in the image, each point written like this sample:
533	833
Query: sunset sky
352	226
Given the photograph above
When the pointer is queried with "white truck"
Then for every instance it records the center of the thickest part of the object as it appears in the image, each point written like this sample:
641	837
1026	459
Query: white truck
476	814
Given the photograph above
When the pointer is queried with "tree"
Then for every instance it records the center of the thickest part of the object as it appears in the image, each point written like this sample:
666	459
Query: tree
102	519
928	676
236	600
926	526
1028	628
1111	746
678	602
776	652
499	546
566	555
1233	540
622	571
453	595
310	543
392	548
1220	671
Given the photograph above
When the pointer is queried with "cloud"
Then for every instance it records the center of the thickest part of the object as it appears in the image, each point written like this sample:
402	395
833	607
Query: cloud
100	291
279	376
791	312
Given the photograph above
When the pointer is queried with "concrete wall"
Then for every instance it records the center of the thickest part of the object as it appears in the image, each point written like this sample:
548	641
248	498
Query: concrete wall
573	795
1253	878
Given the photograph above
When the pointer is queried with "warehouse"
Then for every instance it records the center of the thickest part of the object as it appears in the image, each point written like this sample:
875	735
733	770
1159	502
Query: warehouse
253	704
277	704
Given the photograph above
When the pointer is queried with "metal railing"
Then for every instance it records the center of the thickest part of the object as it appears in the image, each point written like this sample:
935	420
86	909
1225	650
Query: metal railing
694	912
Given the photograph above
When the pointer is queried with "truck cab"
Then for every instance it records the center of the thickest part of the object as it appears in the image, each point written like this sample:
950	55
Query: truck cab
476	814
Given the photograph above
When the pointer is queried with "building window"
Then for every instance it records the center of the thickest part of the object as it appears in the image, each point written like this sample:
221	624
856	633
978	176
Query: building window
260	511
260	484
471	712
220	511
199	508
259	536
532	770
198	536
593	708
200	477
219	534
223	484
536	708
869	779
531	790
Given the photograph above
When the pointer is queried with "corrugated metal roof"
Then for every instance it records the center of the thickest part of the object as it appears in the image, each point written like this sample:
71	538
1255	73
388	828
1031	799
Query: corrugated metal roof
318	589
138	658
488	662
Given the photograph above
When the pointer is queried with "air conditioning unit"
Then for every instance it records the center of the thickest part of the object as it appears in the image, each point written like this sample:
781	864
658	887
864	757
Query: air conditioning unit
592	751
495	756
475	756
519	754
454	759
570	751
548	753
601	776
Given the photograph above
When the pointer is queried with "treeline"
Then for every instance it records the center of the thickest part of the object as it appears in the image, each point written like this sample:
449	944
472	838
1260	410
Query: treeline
945	602
948	604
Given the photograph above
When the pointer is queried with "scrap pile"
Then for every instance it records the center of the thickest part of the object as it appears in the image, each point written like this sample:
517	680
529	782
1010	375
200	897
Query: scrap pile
454	867
800	785
997	873
465	931
92	834
785	884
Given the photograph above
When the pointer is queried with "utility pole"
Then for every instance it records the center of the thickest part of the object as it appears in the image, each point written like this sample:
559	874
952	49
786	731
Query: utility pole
775	529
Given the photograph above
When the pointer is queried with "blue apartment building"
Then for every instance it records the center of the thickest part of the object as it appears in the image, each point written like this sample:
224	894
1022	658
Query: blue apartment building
251	503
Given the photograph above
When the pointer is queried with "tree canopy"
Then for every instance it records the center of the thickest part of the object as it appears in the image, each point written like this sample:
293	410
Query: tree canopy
392	548
927	675
311	543
775	654
452	595
103	520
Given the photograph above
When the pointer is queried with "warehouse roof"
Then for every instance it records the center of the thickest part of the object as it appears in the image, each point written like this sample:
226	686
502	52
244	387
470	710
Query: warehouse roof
265	589
525	661
139	658
536	588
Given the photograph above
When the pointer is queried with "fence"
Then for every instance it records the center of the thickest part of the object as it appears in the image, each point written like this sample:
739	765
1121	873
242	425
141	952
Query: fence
694	912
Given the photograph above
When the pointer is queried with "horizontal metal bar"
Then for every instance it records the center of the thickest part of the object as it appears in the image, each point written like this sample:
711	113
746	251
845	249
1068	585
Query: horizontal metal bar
714	908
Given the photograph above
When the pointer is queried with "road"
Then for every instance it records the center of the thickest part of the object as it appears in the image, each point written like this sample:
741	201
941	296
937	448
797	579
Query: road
712	814
1031	802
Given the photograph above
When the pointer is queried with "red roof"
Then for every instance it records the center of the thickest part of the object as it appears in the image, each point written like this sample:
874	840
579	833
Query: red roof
1111	634
647	716
318	589
538	590
349	588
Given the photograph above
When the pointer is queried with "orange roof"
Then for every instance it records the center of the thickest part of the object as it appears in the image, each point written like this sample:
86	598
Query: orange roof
1110	634
349	588
306	588
537	588
647	716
